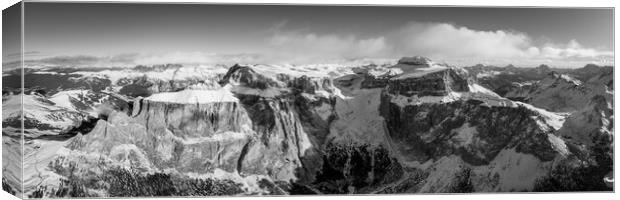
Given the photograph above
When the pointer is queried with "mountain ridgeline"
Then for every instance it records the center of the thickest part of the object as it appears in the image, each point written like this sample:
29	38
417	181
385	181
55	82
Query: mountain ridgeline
413	127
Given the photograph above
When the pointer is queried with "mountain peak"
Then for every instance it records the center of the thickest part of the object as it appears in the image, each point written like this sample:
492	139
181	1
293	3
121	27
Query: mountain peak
415	60
510	66
591	66
544	67
557	76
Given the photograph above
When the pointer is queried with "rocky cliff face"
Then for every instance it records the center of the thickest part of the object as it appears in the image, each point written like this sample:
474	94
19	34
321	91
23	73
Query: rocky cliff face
589	137
419	76
432	84
466	129
249	136
428	134
247	133
585	95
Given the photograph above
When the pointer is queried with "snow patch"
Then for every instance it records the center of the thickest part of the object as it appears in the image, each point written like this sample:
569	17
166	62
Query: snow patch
358	118
442	174
324	111
476	92
130	155
464	134
420	71
182	73
37	156
555	120
403	101
223	136
570	79
487	74
195	96
268	92
558	144
249	183
48	72
514	172
63	98
37	107
478	89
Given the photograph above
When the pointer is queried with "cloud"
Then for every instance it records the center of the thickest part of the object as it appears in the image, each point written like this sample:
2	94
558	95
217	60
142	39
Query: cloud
301	46
572	50
445	42
448	41
440	41
195	58
133	59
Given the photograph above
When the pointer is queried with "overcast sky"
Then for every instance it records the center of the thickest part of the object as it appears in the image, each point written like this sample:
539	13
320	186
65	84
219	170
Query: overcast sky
147	33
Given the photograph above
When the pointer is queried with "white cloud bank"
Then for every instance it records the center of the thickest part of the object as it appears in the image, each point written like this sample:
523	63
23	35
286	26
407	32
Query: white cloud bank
445	42
440	41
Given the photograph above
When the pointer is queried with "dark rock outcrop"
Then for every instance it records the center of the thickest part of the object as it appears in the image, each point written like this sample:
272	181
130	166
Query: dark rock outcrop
433	84
427	131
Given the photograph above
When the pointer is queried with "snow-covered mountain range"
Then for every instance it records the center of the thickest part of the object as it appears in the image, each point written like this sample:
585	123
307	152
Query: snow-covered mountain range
414	126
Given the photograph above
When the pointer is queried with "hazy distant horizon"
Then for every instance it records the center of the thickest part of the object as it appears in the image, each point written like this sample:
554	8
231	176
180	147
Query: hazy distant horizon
96	62
132	34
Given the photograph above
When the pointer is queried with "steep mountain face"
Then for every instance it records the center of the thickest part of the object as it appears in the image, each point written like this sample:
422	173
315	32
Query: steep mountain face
592	125
12	156
429	131
557	92
433	130
586	97
416	126
605	78
590	71
236	129
589	136
202	137
432	84
502	80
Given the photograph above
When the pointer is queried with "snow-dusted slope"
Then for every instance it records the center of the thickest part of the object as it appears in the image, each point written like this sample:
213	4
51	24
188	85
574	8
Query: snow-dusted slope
39	113
164	74
557	92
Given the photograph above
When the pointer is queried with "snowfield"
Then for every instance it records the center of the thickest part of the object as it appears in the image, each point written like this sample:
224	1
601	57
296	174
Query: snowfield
195	96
